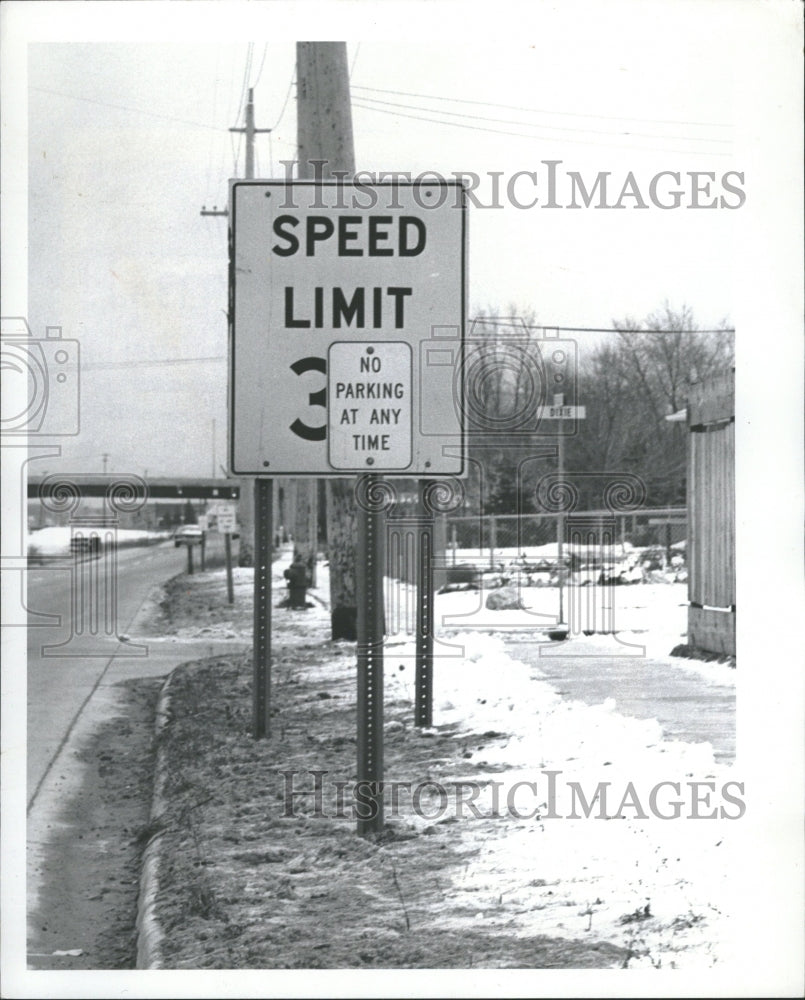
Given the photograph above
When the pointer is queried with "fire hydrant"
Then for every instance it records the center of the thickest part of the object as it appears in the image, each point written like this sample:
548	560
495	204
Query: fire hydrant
297	578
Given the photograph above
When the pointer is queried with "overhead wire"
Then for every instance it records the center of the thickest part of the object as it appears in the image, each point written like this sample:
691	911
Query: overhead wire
507	321
483	320
539	111
354	60
532	136
155	363
235	151
285	102
262	63
231	112
126	107
214	115
552	128
247	69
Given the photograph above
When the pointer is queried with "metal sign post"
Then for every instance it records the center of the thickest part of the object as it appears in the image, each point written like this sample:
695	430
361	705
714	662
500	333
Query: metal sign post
423	706
221	518
560	531
369	580
230	587
261	666
561	412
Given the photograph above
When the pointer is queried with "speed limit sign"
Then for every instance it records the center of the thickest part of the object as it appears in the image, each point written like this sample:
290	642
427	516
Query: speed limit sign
347	310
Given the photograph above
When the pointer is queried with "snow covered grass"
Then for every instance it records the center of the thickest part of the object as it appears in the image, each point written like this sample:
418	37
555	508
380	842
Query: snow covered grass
651	615
604	872
583	820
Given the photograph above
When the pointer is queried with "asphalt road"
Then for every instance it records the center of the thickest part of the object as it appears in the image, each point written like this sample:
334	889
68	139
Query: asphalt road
85	728
96	601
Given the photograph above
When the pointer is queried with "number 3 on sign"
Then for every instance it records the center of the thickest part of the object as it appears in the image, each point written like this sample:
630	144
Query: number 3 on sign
319	398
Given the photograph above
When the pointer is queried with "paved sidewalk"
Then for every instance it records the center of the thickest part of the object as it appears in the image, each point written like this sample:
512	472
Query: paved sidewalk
693	701
690	704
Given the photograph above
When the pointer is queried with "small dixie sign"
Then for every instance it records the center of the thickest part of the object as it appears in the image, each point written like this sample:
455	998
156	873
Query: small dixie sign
319	274
561	412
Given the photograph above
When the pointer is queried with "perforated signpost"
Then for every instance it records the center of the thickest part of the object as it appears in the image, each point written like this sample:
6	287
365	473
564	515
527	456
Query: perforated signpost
223	519
560	411
346	299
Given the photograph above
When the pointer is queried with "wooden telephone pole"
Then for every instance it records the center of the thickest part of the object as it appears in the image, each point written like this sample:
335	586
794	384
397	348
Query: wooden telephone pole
326	151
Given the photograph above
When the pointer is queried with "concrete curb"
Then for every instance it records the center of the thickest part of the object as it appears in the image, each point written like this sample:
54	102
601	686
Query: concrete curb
149	932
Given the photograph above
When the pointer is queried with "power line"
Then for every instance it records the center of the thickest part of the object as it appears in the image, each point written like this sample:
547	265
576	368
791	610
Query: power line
502	321
231	115
354	60
124	107
262	63
158	362
247	69
481	320
235	153
532	136
285	102
553	128
539	111
214	112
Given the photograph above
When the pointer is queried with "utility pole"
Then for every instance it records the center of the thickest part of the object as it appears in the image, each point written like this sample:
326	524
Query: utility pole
319	97
250	132
246	505
326	151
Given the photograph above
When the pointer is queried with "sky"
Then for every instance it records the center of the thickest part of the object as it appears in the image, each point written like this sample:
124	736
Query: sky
128	139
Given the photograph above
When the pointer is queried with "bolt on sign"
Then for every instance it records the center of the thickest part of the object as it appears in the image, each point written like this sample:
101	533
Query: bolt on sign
337	293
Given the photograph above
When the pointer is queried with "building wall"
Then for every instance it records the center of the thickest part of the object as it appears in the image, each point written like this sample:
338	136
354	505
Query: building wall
711	515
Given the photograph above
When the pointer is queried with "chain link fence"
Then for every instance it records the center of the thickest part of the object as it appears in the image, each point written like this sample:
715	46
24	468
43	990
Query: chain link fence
656	538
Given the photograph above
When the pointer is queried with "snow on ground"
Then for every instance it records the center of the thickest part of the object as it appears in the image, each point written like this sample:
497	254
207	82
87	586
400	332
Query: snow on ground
611	867
55	540
679	869
652	615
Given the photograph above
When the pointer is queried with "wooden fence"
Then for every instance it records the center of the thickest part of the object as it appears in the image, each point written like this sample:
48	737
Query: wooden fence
711	515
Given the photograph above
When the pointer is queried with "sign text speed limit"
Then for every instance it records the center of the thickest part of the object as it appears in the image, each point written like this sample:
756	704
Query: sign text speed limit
320	273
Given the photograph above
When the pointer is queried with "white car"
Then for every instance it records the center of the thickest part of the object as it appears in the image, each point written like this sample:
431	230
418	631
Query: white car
187	534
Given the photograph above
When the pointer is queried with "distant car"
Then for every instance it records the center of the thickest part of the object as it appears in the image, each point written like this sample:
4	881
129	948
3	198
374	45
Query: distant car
188	534
88	545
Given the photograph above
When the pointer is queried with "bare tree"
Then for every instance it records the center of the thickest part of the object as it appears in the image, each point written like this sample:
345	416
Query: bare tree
629	384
